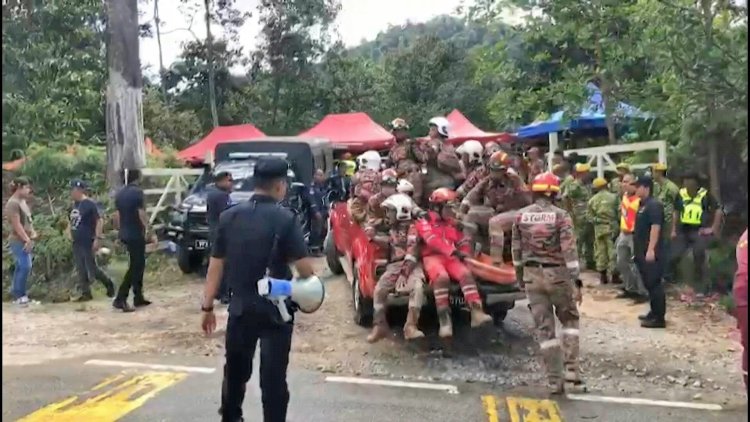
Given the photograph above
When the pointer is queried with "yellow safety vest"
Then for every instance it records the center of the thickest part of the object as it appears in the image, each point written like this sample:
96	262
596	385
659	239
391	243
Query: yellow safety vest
351	167
692	208
628	211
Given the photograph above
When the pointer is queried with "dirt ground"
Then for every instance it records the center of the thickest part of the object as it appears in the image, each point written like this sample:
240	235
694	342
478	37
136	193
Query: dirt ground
695	358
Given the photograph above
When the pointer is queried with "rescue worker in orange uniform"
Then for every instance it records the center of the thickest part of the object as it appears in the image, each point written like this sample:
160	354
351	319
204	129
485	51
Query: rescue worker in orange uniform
471	153
443	169
534	163
376	221
366	182
444	248
407	156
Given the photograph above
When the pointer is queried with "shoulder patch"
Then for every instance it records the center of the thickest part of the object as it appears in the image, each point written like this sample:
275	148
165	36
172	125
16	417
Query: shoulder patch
538	218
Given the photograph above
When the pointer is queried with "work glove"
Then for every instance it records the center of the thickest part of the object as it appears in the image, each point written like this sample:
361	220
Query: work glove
459	254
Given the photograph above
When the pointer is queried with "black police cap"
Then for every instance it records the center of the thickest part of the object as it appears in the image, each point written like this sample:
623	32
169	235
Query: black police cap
78	184
270	168
645	181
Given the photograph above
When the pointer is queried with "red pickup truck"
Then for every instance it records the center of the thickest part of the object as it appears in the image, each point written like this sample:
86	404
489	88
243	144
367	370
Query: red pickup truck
349	251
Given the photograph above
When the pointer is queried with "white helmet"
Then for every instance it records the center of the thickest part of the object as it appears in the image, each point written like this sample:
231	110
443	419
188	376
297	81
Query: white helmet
404	186
401	203
442	124
473	149
369	160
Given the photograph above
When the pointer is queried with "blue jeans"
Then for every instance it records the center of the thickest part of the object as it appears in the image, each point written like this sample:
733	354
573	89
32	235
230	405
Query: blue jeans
22	269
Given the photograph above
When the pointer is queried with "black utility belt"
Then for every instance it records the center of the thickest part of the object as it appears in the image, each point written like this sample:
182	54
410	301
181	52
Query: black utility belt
535	264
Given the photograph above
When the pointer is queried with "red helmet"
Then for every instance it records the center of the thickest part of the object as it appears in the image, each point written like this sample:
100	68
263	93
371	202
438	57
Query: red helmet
545	183
443	196
499	161
389	177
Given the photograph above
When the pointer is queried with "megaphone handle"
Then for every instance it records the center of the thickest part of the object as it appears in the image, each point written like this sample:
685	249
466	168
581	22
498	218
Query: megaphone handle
283	311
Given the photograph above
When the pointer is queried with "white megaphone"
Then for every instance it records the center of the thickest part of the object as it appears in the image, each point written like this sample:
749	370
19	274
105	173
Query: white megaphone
307	293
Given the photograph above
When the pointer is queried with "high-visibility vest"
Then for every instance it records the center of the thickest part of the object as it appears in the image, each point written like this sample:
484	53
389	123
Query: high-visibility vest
628	211
351	167
692	208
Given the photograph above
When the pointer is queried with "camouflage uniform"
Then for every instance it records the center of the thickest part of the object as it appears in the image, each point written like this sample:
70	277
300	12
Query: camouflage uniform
602	213
543	247
473	177
577	196
376	222
443	167
402	275
499	198
615	186
535	167
407	158
366	184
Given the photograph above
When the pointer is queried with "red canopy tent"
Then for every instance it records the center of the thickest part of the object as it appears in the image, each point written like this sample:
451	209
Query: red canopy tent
355	132
462	129
219	135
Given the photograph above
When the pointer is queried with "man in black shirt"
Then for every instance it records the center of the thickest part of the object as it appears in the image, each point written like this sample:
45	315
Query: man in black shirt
132	221
318	211
217	200
85	230
647	247
255	239
339	183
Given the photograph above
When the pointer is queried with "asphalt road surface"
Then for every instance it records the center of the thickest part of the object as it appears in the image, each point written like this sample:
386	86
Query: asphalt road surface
151	389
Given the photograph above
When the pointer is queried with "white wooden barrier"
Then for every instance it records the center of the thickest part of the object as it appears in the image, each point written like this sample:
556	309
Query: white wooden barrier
177	184
599	157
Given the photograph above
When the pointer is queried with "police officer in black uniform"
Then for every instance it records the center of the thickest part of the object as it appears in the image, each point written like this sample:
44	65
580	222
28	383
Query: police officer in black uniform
240	252
218	200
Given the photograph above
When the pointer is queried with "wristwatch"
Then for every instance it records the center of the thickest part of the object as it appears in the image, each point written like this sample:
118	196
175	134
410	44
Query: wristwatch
207	308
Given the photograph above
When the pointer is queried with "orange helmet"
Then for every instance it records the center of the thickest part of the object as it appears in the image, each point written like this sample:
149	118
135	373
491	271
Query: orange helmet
389	177
546	183
443	196
499	161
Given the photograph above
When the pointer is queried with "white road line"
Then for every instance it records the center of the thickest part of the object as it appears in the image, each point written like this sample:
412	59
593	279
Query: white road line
646	402
122	364
450	389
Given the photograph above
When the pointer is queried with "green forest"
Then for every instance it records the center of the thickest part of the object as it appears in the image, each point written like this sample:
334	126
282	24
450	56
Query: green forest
684	61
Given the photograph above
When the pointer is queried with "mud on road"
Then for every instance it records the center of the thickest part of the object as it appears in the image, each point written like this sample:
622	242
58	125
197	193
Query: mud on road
696	358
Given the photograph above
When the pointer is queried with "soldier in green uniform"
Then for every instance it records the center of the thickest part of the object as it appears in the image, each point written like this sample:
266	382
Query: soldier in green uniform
667	192
576	197
602	213
562	171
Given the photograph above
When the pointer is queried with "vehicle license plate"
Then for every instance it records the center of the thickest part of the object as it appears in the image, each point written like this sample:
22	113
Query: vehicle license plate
201	244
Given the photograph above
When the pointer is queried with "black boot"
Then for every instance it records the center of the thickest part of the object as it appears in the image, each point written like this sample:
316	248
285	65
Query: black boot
122	305
653	323
603	277
140	301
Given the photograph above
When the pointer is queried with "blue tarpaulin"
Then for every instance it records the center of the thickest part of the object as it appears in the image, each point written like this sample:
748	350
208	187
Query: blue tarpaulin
590	117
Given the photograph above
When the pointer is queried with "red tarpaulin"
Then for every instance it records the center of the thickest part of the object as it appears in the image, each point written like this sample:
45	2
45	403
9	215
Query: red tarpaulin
462	129
219	135
356	132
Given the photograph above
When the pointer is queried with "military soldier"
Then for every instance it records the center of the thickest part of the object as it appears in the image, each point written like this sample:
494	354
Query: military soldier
615	185
576	196
443	167
562	171
402	274
602	213
667	192
366	184
546	261
407	156
501	192
376	222
534	163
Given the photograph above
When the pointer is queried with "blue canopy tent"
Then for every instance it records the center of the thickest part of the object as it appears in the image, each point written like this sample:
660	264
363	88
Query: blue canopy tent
590	117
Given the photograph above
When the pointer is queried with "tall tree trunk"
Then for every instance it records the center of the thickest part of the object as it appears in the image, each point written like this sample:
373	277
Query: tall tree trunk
606	91
162	70
125	143
210	61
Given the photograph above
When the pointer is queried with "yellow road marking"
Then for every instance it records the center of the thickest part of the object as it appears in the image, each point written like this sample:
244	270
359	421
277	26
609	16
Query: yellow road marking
490	407
530	410
119	399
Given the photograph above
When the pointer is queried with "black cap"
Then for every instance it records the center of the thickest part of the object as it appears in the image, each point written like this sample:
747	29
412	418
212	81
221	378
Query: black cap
78	184
222	175
270	168
645	181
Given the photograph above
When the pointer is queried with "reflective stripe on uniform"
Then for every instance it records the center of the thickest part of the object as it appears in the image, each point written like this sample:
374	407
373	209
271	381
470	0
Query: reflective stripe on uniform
692	208
571	331
572	265
548	344
410	258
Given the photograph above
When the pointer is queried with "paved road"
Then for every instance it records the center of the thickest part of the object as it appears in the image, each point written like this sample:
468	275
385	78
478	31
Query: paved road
72	390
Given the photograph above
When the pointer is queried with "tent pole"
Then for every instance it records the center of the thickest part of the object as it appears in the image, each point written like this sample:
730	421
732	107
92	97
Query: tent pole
552	148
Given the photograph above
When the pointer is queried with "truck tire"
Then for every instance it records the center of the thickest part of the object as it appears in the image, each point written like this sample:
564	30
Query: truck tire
363	307
332	255
189	262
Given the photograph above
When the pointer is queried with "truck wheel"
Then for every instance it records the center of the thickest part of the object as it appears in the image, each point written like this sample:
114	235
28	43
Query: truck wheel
332	255
189	262
363	308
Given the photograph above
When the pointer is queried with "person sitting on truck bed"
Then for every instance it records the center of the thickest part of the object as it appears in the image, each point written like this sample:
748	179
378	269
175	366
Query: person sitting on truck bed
443	252
376	219
403	274
366	183
339	184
